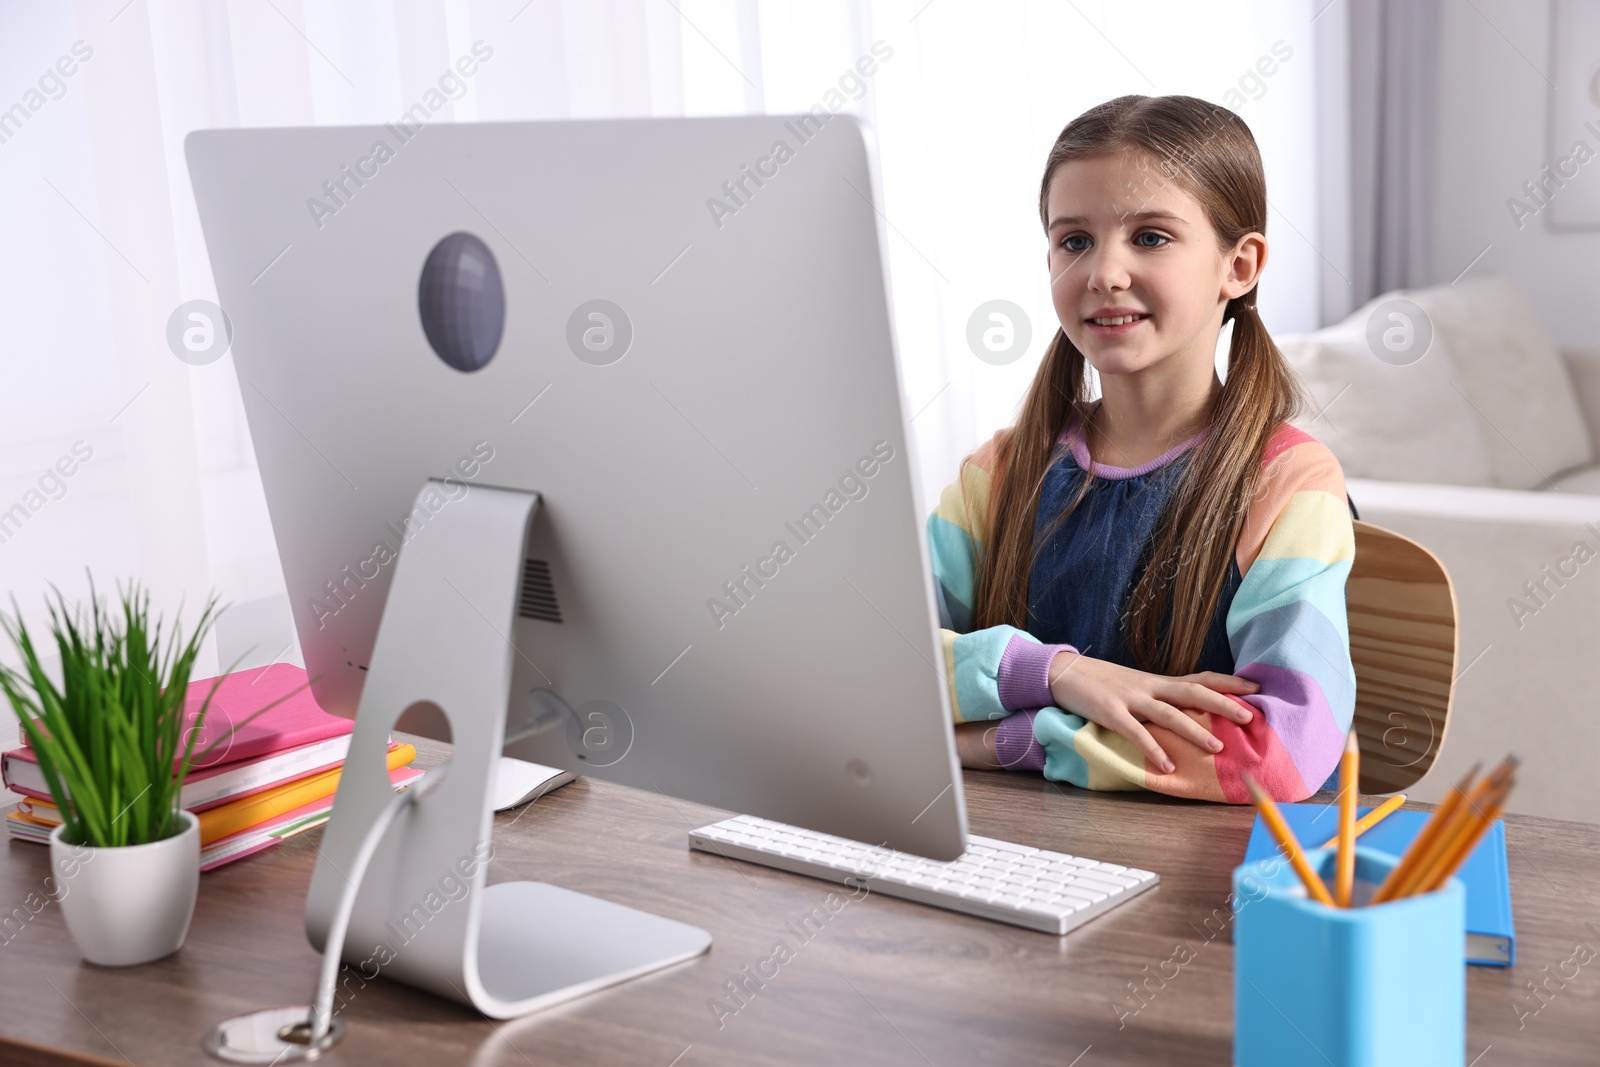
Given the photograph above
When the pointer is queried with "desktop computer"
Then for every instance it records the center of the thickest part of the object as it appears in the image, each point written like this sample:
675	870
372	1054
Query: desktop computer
583	442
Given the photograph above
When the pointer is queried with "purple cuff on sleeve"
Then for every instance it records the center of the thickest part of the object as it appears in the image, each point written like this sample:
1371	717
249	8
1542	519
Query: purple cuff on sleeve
1015	745
1024	673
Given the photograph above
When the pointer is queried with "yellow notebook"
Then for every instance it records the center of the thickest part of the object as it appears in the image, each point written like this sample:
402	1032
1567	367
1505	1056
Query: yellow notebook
224	819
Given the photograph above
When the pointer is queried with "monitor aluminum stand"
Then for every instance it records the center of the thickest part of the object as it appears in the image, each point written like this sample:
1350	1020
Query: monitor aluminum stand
506	949
412	876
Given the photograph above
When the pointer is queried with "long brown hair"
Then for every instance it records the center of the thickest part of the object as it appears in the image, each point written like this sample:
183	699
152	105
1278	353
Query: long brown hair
1209	151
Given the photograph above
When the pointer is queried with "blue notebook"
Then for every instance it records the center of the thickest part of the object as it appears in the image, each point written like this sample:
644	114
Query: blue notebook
1491	939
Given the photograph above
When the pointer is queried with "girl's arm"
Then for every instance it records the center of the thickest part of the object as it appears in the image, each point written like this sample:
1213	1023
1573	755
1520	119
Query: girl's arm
997	670
1287	630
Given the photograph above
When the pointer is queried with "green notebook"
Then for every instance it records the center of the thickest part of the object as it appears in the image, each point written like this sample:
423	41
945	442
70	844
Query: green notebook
1491	939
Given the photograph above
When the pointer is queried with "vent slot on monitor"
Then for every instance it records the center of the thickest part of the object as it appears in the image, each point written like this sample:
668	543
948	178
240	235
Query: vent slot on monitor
538	598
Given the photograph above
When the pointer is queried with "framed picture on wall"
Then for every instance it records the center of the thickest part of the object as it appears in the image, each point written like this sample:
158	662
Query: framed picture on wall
1572	155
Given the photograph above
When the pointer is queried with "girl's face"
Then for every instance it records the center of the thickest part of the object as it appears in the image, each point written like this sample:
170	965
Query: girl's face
1135	272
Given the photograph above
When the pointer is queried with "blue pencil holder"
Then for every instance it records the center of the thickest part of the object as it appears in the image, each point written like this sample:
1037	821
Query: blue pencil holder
1348	987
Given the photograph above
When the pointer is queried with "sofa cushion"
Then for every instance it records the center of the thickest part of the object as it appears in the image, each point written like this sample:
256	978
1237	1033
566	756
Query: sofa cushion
1582	480
1583	367
1396	423
1530	421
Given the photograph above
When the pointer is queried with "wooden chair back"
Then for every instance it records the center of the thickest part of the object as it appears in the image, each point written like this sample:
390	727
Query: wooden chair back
1404	644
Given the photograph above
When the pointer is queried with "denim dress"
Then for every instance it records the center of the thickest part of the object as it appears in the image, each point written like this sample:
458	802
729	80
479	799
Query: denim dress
1084	574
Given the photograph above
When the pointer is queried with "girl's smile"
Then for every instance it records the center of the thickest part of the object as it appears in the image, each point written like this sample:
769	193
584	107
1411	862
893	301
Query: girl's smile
1115	321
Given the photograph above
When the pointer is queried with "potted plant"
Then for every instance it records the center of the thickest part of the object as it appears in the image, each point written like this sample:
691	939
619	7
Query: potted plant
114	747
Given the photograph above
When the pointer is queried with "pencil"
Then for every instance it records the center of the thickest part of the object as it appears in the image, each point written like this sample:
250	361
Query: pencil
1287	841
1473	826
1423	841
1371	818
1446	870
1437	832
1344	869
1455	830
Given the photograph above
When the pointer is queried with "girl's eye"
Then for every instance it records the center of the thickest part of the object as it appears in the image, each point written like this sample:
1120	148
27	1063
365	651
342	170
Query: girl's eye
1078	242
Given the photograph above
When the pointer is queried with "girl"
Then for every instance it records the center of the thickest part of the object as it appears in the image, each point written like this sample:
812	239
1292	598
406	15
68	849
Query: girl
1147	591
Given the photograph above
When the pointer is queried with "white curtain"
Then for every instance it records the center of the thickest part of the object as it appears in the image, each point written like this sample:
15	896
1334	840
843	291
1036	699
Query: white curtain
102	240
1392	66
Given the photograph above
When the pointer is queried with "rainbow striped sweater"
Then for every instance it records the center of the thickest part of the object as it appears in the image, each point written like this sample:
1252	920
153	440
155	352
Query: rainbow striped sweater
1281	622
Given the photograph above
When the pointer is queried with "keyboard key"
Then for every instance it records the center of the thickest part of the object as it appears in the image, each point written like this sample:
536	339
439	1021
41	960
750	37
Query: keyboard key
1064	906
1110	881
1089	893
1005	846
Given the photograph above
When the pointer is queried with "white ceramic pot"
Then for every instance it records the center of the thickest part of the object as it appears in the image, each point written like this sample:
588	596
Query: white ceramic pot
131	904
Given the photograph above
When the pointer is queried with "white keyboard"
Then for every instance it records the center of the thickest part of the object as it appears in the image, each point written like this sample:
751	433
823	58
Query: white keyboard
1048	891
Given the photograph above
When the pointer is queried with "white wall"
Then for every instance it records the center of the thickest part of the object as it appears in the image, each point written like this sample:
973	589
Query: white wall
1493	100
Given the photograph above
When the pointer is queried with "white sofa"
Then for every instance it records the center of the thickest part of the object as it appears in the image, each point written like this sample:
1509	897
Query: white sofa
1484	451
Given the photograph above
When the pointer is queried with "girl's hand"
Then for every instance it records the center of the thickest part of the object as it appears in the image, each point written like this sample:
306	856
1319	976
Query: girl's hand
1123	699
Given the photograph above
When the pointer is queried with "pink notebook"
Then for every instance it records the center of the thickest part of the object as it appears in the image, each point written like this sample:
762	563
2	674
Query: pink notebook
296	721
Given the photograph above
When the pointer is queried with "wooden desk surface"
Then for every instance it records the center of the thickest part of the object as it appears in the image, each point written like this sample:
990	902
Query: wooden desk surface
883	982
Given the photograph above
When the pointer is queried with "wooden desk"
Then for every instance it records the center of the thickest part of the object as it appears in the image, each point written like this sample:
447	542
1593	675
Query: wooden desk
883	982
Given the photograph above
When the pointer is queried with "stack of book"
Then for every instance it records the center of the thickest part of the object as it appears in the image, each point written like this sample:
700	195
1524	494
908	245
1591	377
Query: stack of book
273	777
